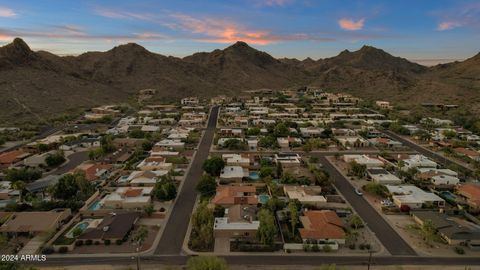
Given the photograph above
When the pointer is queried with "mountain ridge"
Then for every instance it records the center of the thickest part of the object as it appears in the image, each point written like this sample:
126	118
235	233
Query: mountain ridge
29	79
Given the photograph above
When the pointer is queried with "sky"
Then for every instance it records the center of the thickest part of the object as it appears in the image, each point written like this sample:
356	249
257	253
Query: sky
425	31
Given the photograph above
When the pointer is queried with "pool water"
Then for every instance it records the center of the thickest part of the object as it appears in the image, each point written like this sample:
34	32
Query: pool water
254	176
263	199
94	206
82	226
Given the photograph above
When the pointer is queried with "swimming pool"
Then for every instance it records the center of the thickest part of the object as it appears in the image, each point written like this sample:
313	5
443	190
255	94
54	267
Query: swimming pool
94	206
254	176
263	198
82	226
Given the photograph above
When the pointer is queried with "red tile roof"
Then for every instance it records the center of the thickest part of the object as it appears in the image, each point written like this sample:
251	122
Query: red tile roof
227	195
11	157
471	191
323	224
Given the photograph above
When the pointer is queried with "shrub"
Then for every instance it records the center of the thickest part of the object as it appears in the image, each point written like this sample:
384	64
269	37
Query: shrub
96	243
47	250
352	246
107	242
119	242
459	250
79	243
63	249
88	242
315	248
327	248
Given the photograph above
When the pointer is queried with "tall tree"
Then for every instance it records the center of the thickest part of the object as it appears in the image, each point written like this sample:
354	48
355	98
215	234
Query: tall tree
292	207
267	230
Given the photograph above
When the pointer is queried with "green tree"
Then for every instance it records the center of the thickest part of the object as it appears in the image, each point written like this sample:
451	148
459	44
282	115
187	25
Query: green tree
358	170
377	189
140	235
207	186
281	130
136	133
202	228
25	174
206	263
72	186
355	221
106	144
55	159
235	144
149	209
292	208
214	165
428	231
165	189
267	230
20	186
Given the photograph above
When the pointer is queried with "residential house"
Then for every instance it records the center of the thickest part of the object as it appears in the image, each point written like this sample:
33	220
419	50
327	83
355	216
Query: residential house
472	154
307	195
414	198
95	171
471	192
35	222
154	163
310	132
113	227
7	159
322	226
239	222
171	144
127	198
368	161
233	174
230	195
453	230
383	177
352	141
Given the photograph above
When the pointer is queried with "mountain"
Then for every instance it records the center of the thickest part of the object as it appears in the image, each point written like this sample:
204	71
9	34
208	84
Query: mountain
39	86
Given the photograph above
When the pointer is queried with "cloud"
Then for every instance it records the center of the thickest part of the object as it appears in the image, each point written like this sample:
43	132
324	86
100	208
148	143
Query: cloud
7	12
272	3
208	29
71	33
351	25
466	15
448	25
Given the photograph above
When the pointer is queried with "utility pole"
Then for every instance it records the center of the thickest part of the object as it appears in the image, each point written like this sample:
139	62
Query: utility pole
369	259
138	258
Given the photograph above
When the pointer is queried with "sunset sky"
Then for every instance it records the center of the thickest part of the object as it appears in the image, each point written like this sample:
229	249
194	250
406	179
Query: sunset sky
427	31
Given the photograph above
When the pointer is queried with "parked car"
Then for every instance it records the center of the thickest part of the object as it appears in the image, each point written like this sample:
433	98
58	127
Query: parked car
386	202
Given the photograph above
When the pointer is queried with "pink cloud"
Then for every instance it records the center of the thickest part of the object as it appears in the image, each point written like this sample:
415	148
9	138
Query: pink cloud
209	29
448	25
7	12
351	25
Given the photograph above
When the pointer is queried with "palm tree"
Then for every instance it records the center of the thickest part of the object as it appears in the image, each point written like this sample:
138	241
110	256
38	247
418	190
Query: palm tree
139	237
20	186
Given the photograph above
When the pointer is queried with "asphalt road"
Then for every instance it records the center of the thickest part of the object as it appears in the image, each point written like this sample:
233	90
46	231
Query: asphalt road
294	260
176	228
388	236
426	152
74	160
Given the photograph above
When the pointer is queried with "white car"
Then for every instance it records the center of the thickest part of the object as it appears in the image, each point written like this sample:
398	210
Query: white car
386	202
359	193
